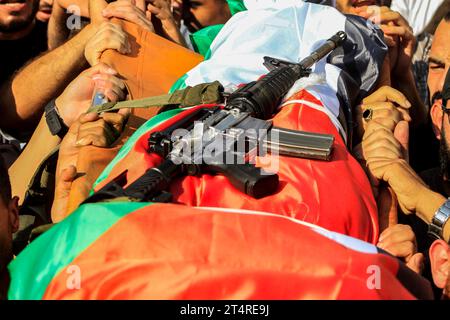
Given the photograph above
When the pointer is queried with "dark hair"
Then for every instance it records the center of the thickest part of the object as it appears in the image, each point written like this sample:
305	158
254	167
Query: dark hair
447	17
5	184
446	90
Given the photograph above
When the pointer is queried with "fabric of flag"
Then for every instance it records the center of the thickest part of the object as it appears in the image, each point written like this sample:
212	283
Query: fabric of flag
335	195
166	251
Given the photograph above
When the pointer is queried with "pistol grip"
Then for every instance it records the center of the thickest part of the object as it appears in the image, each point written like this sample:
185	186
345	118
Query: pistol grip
248	179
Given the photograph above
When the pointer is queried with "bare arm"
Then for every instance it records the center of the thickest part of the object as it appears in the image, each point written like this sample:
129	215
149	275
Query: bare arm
82	4
74	101
429	202
58	32
24	98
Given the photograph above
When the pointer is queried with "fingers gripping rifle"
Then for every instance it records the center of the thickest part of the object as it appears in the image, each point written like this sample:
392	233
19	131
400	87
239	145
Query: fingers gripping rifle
206	140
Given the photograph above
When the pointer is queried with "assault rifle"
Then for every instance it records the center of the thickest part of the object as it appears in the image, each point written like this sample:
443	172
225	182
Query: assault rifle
224	139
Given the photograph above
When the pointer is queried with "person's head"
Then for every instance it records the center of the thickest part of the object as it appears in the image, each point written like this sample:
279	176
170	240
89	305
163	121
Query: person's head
439	60
440	266
17	16
45	10
198	14
9	217
440	116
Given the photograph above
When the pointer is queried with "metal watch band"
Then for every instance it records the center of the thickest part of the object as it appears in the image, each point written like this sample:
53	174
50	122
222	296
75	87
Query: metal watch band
55	124
441	217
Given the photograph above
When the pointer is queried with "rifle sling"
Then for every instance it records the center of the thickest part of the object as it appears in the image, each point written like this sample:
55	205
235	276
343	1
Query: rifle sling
205	93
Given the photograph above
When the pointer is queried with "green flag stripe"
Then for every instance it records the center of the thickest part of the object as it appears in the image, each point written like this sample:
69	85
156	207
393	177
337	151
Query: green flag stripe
33	270
236	6
126	148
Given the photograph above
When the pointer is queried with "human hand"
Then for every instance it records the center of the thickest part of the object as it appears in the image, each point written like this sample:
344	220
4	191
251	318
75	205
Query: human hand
385	160
129	11
399	35
108	36
96	130
400	241
89	129
387	106
162	9
77	97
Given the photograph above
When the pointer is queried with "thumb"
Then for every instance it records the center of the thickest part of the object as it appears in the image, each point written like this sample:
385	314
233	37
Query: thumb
401	133
95	11
416	263
101	68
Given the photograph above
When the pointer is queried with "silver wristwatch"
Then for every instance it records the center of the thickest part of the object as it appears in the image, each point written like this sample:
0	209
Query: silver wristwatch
441	217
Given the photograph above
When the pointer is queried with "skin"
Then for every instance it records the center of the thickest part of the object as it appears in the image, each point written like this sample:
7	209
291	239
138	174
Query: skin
164	11
440	266
18	19
439	60
47	75
74	101
387	163
53	71
384	163
108	36
348	6
401	42
45	10
89	130
57	32
198	14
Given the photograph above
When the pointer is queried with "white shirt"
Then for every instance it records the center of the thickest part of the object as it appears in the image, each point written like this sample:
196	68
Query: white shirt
418	13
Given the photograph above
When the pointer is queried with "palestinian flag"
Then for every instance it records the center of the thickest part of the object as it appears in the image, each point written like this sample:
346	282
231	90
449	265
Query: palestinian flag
290	30
247	249
166	251
335	195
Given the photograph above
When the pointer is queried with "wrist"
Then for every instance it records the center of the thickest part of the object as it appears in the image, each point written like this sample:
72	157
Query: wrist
446	232
428	204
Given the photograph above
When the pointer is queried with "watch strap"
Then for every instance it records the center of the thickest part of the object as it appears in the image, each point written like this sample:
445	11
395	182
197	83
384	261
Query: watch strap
55	123
441	217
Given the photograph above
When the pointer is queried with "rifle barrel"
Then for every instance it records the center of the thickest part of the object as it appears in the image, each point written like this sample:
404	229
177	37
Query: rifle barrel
331	44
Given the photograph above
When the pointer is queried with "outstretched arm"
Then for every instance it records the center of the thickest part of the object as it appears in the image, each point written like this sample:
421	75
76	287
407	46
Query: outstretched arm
24	98
74	101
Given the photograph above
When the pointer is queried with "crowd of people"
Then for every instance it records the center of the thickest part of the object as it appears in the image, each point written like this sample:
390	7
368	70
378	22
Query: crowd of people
401	130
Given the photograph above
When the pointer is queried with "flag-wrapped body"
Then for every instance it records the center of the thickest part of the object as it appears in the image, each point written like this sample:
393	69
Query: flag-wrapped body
167	251
216	242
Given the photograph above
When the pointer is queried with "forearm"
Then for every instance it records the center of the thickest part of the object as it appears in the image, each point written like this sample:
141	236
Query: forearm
21	172
57	28
24	98
407	85
82	5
